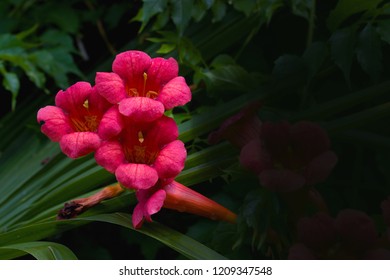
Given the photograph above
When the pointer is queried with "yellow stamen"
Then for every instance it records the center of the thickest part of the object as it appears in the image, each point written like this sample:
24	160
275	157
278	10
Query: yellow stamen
139	154
145	78
151	94
133	92
86	104
91	122
140	137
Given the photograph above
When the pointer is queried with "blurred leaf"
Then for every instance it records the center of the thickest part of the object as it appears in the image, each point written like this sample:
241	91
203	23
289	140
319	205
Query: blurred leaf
177	241
342	45
225	74
269	7
149	9
219	10
342	103
346	8
302	8
43	250
384	30
161	20
369	52
315	56
245	6
166	48
200	9
11	83
181	14
61	14
290	68
360	119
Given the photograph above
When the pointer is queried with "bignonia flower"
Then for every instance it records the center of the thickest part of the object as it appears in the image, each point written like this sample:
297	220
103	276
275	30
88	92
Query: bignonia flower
143	87
75	120
287	157
143	153
240	128
177	197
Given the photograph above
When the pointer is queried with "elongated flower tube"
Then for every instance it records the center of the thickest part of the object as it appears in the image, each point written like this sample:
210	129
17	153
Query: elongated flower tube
75	119
180	198
184	199
144	153
143	87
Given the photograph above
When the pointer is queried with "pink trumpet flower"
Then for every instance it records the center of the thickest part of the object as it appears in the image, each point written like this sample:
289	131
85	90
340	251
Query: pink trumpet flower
143	153
143	87
75	119
177	197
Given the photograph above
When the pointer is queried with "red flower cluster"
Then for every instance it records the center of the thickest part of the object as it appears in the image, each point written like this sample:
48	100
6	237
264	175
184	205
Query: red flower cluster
351	235
284	156
122	120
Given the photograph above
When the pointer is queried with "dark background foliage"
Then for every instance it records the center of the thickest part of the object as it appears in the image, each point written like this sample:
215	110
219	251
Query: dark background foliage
323	61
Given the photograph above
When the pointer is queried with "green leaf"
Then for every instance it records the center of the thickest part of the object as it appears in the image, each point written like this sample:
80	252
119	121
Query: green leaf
166	48
181	14
227	75
245	6
369	52
315	56
342	44
149	9
383	29
199	10
359	119
269	7
219	10
302	8
43	250
181	243
343	103
347	8
10	83
290	68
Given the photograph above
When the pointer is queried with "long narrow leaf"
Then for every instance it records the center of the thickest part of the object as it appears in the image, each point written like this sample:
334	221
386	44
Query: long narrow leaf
43	250
177	241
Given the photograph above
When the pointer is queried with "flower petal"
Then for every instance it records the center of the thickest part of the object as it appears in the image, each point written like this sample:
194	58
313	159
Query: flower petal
318	231
161	71
254	157
154	203
320	167
309	140
281	180
79	144
137	217
240	128
73	97
300	252
111	124
163	131
356	229
110	155
136	176
55	123
130	66
110	86
175	93
170	160
141	109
